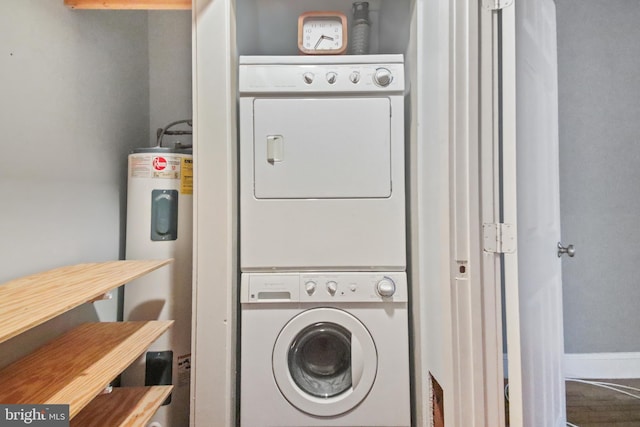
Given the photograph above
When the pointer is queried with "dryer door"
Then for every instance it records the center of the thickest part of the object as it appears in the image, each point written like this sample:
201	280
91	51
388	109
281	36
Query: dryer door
322	148
325	362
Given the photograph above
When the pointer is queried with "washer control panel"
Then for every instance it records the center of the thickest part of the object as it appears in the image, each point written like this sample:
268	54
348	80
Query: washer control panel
324	287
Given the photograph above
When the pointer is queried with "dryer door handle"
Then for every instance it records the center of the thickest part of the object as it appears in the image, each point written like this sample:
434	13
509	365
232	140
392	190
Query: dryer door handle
357	362
275	148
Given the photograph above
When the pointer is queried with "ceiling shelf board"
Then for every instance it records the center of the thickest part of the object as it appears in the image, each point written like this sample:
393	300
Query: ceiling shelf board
123	4
32	300
75	367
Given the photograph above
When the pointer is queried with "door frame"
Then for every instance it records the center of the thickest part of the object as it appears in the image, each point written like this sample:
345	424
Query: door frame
215	269
510	212
476	307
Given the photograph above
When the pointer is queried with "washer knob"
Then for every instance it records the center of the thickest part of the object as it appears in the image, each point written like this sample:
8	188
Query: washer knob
308	78
332	287
310	287
386	287
382	77
354	77
331	77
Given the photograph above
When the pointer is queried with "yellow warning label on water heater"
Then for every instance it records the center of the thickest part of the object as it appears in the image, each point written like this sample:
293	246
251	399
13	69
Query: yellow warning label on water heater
186	180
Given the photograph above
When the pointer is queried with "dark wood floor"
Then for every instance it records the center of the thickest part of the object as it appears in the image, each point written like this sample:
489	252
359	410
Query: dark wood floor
590	406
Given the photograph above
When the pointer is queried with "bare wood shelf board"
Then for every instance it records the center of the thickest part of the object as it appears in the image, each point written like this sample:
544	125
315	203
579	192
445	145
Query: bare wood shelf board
75	367
32	300
132	4
123	407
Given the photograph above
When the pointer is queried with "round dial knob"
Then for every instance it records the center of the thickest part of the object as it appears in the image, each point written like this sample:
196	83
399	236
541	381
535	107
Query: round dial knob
332	287
308	78
386	287
382	77
331	77
310	287
354	77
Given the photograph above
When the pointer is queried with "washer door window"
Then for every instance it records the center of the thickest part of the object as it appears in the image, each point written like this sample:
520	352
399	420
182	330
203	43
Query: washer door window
325	362
320	360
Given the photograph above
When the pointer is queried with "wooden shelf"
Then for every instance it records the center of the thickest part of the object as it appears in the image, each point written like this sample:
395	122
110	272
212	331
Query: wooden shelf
132	4
75	367
32	300
123	407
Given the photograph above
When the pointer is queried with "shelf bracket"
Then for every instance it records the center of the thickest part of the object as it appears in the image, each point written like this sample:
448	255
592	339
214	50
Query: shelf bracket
107	390
103	297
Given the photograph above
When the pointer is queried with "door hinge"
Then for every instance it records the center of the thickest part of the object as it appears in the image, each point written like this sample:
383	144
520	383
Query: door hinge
499	238
496	4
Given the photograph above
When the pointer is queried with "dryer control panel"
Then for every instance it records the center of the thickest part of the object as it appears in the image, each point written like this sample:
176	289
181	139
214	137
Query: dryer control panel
303	74
382	287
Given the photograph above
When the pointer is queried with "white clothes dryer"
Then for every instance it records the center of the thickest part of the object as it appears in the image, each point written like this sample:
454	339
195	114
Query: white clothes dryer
322	163
324	349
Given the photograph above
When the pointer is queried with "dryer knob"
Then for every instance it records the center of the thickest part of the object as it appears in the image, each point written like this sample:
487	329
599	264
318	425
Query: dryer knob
310	287
331	77
308	78
382	77
386	287
332	287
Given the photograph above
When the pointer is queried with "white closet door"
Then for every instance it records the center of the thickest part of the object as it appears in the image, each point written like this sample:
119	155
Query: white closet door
533	279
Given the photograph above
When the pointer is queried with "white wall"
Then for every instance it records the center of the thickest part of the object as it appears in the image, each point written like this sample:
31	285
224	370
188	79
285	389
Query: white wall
258	19
169	72
74	100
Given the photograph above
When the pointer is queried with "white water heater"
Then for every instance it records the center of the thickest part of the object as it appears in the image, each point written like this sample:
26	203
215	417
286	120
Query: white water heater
159	225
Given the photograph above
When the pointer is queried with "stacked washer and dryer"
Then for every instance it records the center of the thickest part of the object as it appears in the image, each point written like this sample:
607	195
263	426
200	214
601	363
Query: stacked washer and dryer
324	304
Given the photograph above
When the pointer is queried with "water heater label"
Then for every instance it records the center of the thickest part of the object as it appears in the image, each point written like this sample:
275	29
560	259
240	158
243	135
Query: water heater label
166	167
159	163
154	166
186	180
140	166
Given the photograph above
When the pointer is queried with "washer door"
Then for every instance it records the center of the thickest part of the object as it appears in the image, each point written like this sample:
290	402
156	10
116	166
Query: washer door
324	362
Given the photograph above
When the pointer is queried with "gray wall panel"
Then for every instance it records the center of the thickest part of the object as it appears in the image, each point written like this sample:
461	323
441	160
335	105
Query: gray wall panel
599	108
74	100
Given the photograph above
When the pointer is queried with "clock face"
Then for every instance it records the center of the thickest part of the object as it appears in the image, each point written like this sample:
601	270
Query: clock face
322	34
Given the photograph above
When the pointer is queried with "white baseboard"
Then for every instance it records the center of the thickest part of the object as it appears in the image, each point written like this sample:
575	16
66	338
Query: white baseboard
597	365
602	365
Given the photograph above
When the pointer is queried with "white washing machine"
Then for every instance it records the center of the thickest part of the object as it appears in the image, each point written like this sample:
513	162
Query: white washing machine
322	163
324	349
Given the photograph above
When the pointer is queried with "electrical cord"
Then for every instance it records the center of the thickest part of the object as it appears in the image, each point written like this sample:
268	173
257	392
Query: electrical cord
609	386
620	388
506	396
